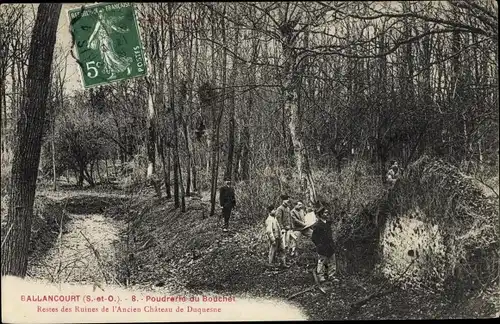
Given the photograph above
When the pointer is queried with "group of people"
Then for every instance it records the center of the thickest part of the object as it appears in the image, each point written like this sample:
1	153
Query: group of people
285	225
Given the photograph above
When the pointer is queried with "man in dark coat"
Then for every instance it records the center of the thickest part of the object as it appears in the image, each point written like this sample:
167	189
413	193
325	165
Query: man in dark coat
227	202
325	246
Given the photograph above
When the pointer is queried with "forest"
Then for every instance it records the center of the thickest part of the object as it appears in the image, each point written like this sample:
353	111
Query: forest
309	99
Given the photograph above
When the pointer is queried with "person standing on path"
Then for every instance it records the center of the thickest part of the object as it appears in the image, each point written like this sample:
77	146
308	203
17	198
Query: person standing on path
325	246
392	175
273	232
227	201
298	224
284	219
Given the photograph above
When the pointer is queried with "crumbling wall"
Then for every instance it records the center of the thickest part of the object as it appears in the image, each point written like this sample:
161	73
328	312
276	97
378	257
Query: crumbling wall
411	242
440	218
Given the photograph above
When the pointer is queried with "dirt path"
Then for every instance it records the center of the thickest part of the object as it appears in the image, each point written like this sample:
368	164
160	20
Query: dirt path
84	253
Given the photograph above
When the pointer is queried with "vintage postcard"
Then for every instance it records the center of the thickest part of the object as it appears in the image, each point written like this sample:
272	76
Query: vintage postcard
249	161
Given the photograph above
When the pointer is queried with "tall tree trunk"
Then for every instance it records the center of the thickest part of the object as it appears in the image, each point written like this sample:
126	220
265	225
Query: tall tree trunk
426	86
193	170
15	98
91	174
379	145
99	171
245	148
29	137
213	138
245	128
53	147
185	131
290	98
115	171
121	151
215	174
176	167
169	167
232	120
153	97
237	157
178	185
151	134
160	45
189	158
81	175
191	73
230	150
166	175
107	168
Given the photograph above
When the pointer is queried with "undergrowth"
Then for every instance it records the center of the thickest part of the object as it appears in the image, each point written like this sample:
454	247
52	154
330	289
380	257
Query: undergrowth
188	251
464	257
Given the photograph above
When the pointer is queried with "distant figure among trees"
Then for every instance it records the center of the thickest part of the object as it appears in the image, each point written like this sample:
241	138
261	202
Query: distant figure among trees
227	200
392	175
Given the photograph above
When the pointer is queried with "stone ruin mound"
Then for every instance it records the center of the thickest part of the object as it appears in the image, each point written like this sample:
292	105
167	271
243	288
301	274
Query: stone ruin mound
436	219
443	224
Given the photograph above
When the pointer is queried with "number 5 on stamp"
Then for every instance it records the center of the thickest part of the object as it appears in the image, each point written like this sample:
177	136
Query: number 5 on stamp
109	44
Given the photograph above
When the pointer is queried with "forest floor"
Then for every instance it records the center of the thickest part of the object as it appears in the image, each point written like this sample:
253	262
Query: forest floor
83	250
91	241
141	241
84	254
197	256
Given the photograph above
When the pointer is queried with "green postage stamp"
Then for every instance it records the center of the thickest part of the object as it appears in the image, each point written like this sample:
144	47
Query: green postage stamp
108	43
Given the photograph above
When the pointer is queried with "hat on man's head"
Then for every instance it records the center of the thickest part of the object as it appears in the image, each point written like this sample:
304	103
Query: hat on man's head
284	197
270	208
299	204
320	211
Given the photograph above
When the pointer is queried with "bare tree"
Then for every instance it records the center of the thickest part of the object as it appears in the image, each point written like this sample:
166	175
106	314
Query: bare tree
178	184
27	148
229	174
58	81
